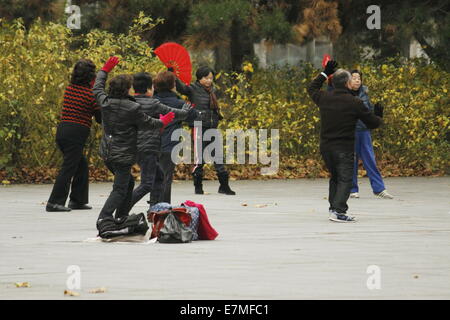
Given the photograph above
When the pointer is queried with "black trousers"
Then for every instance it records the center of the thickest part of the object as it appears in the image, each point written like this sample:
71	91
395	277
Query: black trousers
198	155
119	199
340	165
149	166
73	175
162	189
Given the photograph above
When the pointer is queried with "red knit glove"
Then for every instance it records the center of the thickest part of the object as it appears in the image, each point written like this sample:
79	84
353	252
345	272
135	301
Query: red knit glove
110	64
167	118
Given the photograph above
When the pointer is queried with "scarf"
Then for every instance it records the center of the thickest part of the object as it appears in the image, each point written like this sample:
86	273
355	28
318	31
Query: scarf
213	103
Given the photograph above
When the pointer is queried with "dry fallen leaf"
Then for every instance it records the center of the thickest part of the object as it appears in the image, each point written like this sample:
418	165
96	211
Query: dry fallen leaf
71	293
22	285
98	290
261	205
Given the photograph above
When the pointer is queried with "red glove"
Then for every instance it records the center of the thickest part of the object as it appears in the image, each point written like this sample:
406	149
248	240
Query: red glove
167	118
110	64
326	58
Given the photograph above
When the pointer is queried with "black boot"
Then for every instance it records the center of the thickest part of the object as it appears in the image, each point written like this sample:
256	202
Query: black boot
198	178
224	187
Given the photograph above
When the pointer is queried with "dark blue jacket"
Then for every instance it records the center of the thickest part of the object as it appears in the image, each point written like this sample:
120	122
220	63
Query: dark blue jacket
172	100
362	93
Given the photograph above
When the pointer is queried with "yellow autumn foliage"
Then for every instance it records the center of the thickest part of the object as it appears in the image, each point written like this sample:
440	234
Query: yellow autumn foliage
35	68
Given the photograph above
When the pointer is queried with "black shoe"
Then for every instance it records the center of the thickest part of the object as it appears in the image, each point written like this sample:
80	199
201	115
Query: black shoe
198	183
224	186
226	190
199	189
76	206
105	225
51	207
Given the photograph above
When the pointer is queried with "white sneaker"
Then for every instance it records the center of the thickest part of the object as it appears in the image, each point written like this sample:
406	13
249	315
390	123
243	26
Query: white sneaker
340	217
354	195
384	195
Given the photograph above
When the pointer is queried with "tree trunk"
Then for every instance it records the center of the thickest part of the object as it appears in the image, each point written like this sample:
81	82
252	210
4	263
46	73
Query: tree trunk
222	58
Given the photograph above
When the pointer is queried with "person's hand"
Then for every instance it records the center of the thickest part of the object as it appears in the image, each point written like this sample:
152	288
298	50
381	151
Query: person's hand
330	68
187	106
167	118
110	64
378	109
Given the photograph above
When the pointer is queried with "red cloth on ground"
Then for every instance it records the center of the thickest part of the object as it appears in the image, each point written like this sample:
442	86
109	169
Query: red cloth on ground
205	230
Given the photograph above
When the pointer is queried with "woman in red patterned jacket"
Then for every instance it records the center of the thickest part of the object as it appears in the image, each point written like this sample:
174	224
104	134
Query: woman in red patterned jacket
79	107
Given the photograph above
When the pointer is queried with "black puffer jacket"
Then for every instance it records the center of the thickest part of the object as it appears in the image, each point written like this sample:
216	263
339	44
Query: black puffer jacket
200	98
121	119
149	141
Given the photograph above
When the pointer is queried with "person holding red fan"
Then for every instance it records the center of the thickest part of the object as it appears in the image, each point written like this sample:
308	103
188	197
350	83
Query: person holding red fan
203	95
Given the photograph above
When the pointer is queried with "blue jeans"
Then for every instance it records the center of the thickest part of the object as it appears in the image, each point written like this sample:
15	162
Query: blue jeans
364	151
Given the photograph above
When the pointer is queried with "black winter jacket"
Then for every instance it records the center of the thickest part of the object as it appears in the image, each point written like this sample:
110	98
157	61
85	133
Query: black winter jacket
198	96
339	111
121	119
149	141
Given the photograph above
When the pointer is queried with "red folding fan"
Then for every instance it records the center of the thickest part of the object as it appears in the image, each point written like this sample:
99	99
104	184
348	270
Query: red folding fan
177	57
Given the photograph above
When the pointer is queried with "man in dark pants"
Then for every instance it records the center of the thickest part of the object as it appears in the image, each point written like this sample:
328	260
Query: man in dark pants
339	112
164	86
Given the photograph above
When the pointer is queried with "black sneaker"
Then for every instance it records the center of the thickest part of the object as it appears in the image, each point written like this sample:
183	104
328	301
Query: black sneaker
51	207
340	217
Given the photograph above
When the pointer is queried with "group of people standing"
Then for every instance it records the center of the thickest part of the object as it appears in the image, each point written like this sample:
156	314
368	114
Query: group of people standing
139	114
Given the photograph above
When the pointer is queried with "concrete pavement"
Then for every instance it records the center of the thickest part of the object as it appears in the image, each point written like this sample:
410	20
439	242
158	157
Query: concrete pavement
279	246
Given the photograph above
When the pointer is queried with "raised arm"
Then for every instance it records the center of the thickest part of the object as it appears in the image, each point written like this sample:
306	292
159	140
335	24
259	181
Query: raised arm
100	82
99	89
182	88
314	89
